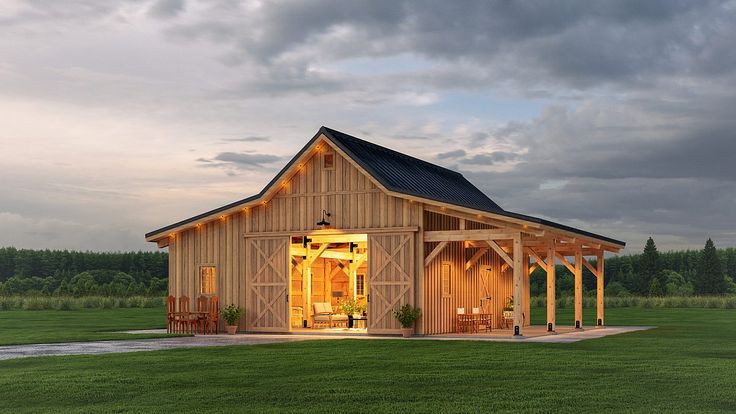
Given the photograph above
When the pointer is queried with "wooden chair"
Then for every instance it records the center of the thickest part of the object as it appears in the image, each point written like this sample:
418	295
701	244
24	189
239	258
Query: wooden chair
460	321
484	320
183	320
170	313
212	321
200	321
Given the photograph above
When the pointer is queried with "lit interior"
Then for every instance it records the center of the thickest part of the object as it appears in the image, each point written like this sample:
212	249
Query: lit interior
329	283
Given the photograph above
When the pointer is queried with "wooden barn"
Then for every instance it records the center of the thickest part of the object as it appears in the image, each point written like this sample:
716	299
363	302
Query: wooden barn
347	223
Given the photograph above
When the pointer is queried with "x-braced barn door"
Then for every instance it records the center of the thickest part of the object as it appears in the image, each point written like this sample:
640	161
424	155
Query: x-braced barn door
390	279
267	278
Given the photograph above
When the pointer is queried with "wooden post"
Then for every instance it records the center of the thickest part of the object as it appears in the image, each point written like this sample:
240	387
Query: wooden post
527	290
418	215
599	286
551	296
578	287
518	286
307	279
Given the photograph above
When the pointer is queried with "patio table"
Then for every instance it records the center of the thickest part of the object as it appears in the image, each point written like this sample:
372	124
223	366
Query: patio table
472	321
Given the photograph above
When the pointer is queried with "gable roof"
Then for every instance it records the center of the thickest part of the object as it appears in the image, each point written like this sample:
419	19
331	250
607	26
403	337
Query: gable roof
399	173
404	174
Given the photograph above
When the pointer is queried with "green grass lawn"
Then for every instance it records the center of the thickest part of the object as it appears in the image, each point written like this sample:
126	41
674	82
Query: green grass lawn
688	364
27	327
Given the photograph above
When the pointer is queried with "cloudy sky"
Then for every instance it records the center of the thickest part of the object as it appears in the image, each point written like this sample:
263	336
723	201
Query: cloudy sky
117	118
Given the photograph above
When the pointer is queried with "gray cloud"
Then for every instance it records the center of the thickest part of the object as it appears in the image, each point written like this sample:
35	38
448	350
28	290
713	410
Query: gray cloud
166	8
451	154
248	139
239	160
490	158
583	44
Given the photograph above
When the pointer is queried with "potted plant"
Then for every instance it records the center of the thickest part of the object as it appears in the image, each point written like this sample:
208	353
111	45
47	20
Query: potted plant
348	307
508	309
232	314
407	315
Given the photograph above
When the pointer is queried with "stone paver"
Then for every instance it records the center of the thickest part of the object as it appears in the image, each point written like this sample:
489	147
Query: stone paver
137	345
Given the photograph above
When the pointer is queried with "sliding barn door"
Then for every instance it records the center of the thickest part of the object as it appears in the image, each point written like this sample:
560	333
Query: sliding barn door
267	279
390	279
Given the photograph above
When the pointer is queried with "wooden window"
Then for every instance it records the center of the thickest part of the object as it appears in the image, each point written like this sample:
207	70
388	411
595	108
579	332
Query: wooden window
360	284
446	273
328	160
207	280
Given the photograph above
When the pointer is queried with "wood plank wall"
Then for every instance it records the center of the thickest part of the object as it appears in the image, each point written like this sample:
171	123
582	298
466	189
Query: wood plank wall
354	201
350	196
209	245
466	287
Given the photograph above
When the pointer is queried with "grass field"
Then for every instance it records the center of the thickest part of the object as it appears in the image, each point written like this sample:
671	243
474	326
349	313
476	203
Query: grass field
688	364
27	327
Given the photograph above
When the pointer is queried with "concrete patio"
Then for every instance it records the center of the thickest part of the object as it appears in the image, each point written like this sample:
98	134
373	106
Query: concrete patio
138	345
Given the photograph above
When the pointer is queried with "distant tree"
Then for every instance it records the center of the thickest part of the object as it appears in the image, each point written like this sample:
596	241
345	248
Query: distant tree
616	289
655	289
730	285
709	278
676	285
648	267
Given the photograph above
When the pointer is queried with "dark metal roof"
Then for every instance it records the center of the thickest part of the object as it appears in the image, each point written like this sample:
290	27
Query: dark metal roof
408	175
402	174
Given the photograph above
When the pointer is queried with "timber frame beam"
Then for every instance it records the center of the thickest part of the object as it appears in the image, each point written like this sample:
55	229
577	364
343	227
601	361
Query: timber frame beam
474	259
436	251
505	256
467	235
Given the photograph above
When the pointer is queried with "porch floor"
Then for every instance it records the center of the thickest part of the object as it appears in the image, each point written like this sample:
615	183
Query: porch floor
538	333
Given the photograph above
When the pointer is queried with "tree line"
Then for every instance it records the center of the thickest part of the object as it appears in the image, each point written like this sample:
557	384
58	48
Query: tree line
709	271
650	273
76	273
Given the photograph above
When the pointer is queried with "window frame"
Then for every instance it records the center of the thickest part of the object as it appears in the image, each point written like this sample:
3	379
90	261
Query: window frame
358	277
446	279
331	153
200	279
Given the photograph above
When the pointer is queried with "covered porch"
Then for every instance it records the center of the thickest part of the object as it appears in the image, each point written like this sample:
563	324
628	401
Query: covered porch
497	260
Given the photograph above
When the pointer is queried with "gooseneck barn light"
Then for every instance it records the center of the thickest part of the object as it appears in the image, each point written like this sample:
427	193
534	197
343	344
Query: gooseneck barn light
324	222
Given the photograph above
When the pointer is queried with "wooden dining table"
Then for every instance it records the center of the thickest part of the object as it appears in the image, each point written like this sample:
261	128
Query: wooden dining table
198	316
472	321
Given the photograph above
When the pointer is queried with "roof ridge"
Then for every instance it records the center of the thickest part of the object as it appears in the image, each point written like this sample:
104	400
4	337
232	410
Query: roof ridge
394	152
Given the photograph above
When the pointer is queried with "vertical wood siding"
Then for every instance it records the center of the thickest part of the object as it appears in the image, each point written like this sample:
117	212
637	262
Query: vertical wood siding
354	201
466	287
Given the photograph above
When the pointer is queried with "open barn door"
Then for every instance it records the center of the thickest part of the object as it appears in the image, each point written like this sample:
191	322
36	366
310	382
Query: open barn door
267	279
390	279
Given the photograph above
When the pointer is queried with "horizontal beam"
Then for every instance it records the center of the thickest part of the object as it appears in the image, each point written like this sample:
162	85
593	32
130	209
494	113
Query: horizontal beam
327	254
333	235
466	235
